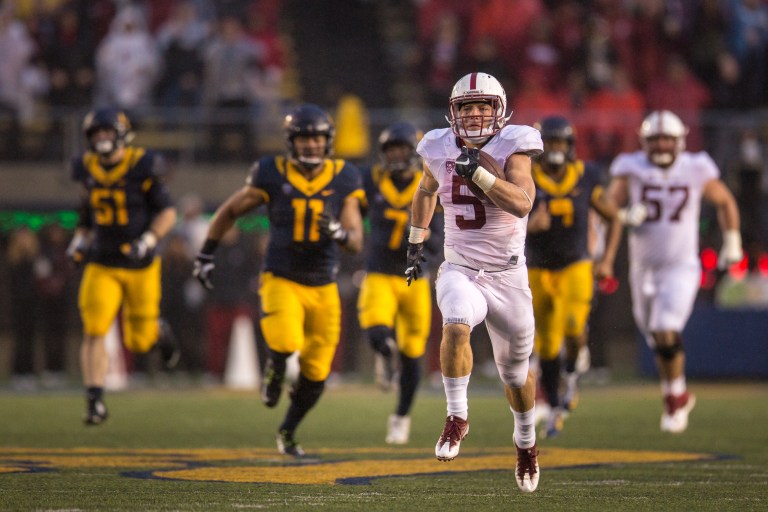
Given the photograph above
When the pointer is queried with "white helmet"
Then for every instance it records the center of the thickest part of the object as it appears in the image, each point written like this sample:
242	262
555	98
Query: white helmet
478	87
663	122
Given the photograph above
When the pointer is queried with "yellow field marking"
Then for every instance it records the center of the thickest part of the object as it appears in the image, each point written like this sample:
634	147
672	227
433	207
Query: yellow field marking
175	464
365	469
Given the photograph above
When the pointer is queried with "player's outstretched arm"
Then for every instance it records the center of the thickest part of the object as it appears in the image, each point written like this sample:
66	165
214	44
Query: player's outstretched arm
237	205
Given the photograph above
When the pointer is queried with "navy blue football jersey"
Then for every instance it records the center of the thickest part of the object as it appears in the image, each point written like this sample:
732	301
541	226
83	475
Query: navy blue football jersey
568	202
120	202
297	249
389	214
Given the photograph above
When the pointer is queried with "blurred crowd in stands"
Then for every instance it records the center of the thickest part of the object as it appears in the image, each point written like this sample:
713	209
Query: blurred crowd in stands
65	54
135	54
601	63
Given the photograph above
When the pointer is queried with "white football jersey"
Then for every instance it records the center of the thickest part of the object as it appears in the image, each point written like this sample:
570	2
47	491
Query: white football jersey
670	233
485	236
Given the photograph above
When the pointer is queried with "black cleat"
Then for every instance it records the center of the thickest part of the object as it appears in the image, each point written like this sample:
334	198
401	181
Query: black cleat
287	444
271	385
168	346
96	412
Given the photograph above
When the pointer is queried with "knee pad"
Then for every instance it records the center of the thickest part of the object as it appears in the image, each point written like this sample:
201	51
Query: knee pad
382	339
513	374
669	352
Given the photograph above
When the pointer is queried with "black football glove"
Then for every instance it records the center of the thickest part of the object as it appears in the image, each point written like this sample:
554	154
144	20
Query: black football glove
468	162
414	260
331	228
203	269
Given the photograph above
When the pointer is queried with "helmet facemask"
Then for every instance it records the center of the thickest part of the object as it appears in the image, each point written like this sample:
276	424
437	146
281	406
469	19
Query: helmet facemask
554	158
103	147
404	137
309	120
398	157
308	159
662	123
559	139
477	88
112	120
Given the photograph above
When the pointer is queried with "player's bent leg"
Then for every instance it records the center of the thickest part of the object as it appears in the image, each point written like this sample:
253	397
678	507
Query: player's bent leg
410	376
95	409
168	345
550	380
304	395
94	363
386	368
274	375
678	403
399	424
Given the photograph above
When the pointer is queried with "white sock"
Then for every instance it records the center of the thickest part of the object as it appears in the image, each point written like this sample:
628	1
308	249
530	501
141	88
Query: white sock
677	386
525	427
674	387
456	396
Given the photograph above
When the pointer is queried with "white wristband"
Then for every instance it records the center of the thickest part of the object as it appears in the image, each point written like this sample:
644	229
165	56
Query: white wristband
150	239
416	235
77	243
732	239
484	179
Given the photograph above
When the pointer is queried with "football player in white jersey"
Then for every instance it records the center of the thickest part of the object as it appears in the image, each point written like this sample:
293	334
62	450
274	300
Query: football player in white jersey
660	189
483	277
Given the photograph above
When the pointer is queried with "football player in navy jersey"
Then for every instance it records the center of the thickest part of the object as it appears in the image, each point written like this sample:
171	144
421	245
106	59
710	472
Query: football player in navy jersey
395	317
313	204
559	263
125	210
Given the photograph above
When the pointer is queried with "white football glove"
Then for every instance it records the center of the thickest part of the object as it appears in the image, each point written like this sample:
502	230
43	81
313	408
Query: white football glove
78	249
142	246
331	227
634	215
731	251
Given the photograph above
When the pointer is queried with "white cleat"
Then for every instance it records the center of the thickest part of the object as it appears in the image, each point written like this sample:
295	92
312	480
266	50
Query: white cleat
398	429
527	468
675	416
455	430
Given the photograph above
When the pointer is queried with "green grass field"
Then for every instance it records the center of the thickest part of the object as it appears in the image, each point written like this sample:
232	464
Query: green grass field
194	449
